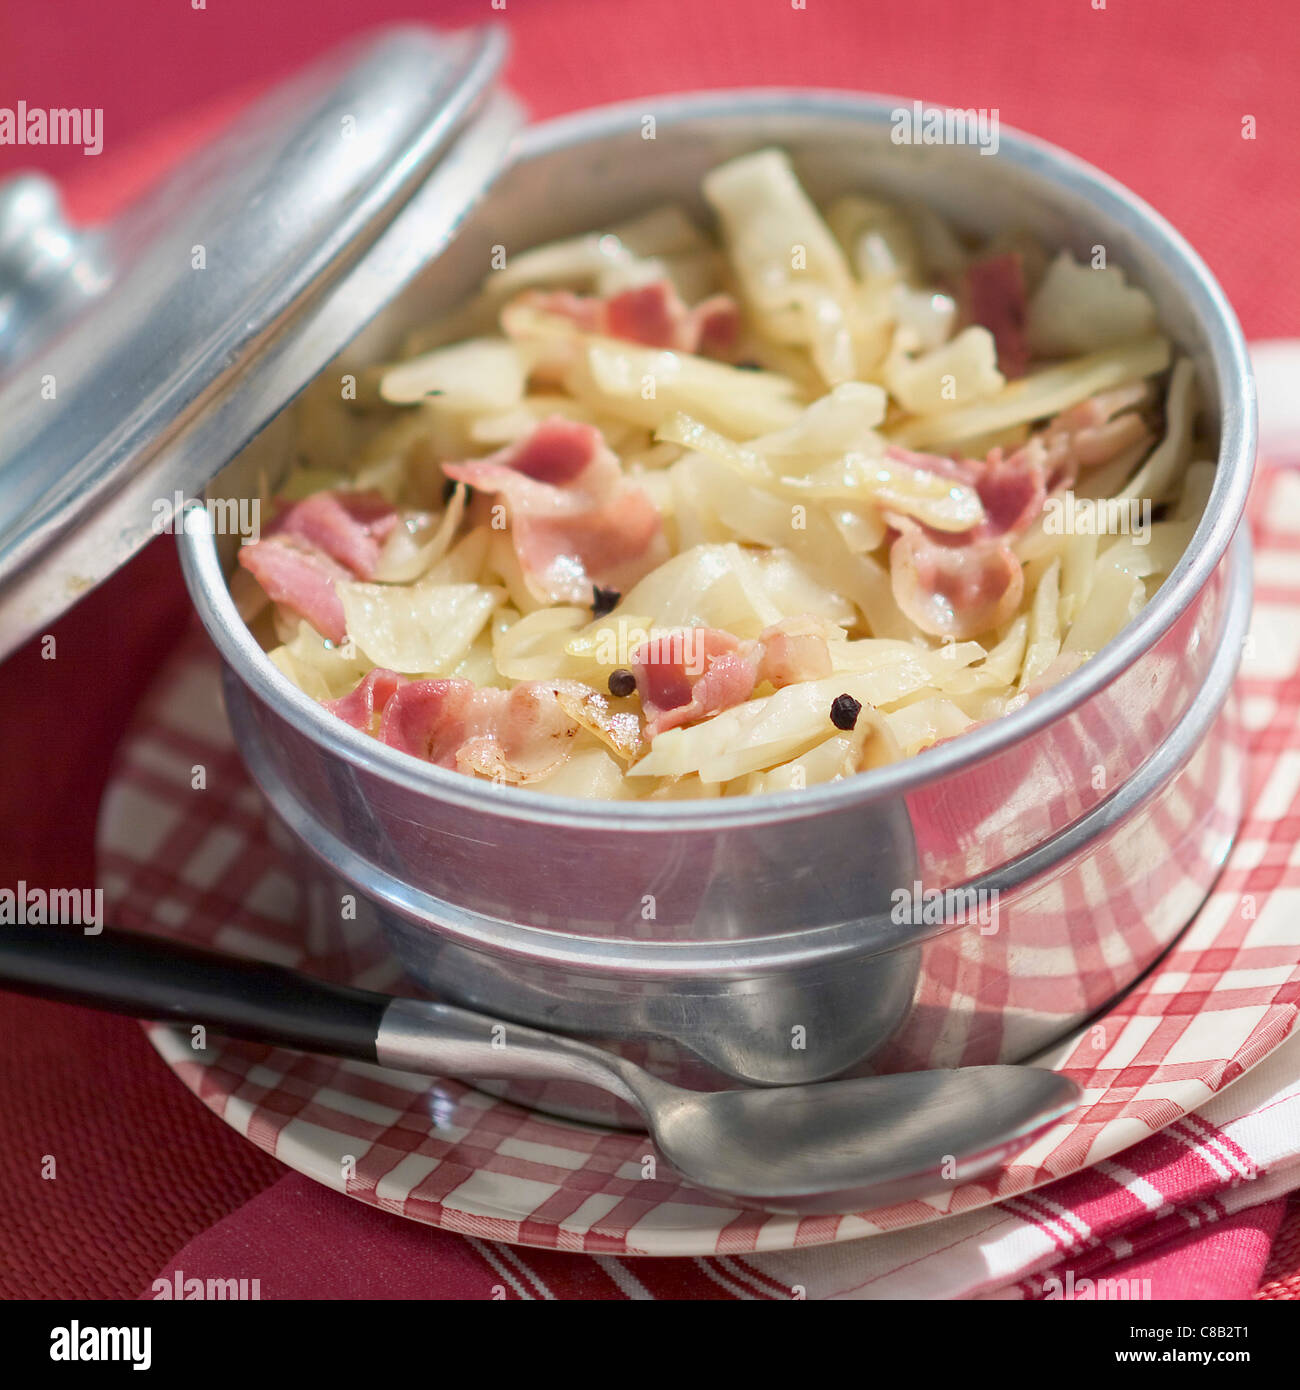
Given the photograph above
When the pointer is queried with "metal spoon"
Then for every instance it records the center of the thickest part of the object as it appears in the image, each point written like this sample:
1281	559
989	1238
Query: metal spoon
828	1146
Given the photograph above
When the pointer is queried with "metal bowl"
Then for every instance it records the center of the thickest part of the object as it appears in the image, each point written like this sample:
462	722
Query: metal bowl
763	939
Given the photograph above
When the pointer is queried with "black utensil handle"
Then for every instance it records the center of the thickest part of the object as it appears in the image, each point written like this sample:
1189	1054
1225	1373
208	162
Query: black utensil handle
126	973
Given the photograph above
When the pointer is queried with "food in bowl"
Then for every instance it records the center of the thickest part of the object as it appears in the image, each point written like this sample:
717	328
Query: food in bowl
654	516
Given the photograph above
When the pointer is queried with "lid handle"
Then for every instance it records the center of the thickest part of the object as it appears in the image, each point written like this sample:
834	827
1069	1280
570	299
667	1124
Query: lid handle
47	267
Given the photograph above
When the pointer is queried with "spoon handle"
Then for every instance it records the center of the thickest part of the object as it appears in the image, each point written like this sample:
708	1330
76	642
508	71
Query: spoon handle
147	977
419	1035
125	973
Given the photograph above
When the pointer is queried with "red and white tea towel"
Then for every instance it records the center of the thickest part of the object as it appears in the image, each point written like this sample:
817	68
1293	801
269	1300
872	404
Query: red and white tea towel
1187	1214
1238	1154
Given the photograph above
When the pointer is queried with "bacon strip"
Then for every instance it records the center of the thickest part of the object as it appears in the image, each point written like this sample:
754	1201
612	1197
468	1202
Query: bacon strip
363	706
687	676
793	650
517	735
324	537
349	527
575	520
956	591
1011	489
1090	434
690	675
652	315
297	575
960	584
994	298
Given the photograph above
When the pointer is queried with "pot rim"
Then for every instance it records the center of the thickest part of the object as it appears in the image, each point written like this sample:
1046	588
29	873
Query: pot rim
1227	350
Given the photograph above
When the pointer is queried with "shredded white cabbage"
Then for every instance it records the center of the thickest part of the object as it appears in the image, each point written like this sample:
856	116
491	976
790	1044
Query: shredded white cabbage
958	373
793	273
417	628
484	374
803	433
646	386
324	670
1080	308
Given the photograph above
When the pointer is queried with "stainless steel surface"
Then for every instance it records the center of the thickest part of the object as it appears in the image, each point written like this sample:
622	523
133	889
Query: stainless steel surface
770	955
839	1146
141	355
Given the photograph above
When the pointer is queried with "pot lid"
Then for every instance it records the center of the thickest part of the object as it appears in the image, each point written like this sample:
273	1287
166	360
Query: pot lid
137	358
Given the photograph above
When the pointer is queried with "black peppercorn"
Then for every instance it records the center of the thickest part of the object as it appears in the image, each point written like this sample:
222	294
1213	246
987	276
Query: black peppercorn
621	682
603	600
844	712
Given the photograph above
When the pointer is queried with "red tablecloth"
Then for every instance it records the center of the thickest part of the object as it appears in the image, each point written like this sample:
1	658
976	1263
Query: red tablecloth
1156	93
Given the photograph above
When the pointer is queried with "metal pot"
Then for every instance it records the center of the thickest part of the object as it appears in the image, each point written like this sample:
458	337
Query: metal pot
764	939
